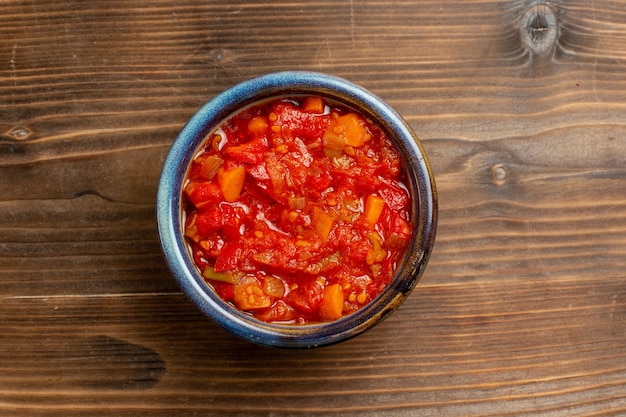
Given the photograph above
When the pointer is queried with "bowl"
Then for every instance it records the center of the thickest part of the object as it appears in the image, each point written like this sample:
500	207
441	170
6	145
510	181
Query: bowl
419	181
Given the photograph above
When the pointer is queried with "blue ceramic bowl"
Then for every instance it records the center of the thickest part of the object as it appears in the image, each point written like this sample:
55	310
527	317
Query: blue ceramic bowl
420	183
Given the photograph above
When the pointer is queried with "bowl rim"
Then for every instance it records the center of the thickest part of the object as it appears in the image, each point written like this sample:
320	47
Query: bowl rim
292	83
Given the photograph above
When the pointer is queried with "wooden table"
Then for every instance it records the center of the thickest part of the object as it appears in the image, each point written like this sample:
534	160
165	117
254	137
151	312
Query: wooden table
521	107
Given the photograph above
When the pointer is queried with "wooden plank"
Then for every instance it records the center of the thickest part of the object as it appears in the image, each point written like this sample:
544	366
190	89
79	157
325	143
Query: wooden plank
521	310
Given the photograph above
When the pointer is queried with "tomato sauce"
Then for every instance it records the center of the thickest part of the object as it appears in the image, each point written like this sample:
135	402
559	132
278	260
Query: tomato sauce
296	211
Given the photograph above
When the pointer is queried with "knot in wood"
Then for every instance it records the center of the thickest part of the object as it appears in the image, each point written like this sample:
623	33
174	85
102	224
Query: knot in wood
499	173
20	133
218	55
539	29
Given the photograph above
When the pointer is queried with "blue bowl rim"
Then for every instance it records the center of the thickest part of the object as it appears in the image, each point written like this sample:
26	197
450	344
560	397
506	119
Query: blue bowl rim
292	83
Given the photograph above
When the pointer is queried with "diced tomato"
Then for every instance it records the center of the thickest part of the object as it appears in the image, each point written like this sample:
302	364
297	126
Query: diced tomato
299	175
355	250
396	229
209	248
279	311
391	163
357	177
318	181
204	193
300	123
225	290
198	257
231	232
277	172
209	221
248	153
259	192
395	196
228	257
306	298
271	249
236	129
258	172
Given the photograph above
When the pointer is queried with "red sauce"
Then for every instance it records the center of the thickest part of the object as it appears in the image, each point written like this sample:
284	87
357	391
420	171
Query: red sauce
296	210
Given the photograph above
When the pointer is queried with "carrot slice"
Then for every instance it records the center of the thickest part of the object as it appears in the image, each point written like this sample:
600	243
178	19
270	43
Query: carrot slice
231	183
353	129
323	222
373	208
347	131
332	302
258	124
313	105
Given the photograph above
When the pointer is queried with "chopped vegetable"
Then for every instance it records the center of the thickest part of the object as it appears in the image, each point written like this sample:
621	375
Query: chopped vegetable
231	183
209	166
209	221
353	128
191	229
373	208
203	193
346	131
306	298
333	140
273	286
280	311
323	222
376	253
249	294
313	105
332	302
210	273
297	203
229	256
247	153
258	124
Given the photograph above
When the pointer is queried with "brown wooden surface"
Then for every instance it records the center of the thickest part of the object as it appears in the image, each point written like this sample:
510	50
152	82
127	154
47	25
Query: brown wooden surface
522	310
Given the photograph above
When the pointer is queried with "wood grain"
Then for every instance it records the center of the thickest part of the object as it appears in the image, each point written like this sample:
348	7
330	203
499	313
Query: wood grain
522	310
